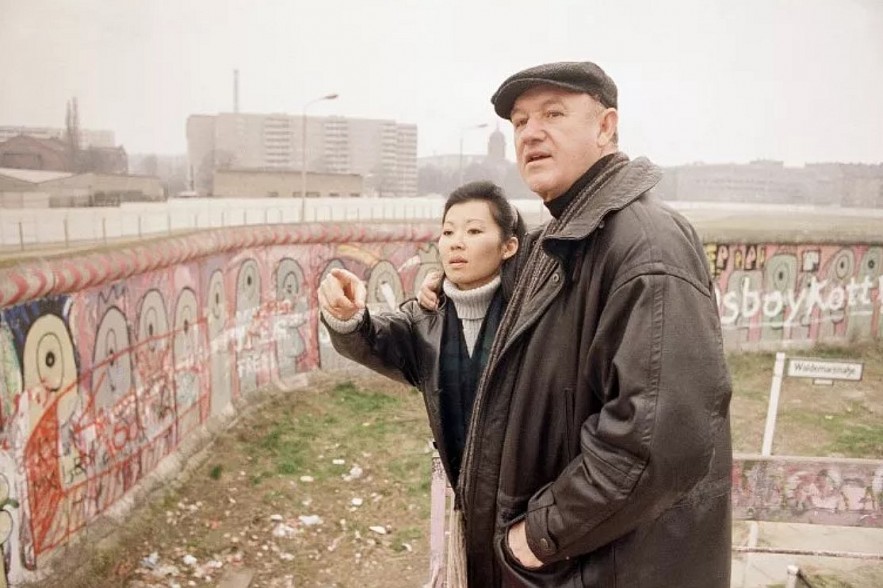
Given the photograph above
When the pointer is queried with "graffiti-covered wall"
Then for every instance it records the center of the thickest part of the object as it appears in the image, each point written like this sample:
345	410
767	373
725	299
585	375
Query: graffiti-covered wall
836	491
773	295
108	362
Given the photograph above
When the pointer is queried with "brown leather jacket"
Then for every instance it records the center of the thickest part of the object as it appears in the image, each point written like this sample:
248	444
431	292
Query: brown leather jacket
605	421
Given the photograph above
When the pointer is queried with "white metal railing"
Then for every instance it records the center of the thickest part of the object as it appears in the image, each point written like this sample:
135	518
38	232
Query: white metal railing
34	228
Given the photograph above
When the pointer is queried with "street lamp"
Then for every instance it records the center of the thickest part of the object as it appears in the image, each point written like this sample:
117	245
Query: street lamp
303	153
460	163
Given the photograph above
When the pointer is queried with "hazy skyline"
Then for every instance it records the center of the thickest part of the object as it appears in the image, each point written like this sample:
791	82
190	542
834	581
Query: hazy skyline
793	80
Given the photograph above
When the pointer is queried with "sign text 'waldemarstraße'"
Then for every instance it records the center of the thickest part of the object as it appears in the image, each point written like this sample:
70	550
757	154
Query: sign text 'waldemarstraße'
830	370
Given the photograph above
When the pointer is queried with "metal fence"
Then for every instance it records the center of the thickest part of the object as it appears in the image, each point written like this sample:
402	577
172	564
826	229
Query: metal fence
28	229
38	228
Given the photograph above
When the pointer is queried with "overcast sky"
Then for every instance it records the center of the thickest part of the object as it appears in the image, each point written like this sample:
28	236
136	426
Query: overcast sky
699	80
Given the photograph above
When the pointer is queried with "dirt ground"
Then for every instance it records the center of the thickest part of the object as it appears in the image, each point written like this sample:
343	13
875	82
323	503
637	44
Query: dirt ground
329	486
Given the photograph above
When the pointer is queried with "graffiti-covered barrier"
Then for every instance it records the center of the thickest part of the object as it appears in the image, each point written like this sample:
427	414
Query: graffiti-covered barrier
818	490
110	362
775	295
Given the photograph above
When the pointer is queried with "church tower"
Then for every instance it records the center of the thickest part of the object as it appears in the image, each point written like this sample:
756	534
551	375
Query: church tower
496	146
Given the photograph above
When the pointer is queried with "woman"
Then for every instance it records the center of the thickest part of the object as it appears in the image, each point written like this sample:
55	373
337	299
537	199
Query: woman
442	352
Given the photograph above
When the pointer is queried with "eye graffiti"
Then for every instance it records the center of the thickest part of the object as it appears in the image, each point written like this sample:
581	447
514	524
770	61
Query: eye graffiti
187	355
840	269
153	323
185	344
216	302
219	349
843	265
111	360
248	334
871	266
291	317
861	303
49	369
50	366
780	279
155	400
248	286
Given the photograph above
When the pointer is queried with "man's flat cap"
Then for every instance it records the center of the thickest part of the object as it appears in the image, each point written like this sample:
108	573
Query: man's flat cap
578	76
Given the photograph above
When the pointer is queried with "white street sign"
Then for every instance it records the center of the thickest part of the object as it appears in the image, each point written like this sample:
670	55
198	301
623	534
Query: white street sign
824	370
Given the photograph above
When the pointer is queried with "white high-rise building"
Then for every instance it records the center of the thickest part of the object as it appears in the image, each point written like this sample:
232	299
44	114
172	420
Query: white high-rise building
384	152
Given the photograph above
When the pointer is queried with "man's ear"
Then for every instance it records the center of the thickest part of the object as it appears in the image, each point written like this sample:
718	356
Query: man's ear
510	247
609	121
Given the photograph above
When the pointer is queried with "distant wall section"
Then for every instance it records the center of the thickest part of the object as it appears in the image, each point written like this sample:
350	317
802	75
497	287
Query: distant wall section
772	295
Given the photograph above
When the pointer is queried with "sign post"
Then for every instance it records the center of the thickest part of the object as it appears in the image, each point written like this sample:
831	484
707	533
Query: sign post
820	371
773	408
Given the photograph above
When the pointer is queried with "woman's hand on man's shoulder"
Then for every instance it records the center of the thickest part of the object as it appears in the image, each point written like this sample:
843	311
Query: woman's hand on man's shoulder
427	297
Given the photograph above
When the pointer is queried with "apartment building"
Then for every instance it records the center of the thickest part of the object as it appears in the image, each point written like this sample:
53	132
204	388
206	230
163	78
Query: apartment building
383	152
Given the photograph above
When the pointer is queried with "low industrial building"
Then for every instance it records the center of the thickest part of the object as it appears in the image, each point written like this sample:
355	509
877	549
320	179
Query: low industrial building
27	188
274	183
27	152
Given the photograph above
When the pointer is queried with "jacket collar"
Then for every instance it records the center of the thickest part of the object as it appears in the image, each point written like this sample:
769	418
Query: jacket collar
623	188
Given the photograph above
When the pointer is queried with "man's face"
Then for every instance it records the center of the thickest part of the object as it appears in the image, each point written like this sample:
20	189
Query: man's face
558	136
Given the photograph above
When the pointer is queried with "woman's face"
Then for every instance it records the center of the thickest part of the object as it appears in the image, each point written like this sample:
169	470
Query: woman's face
471	245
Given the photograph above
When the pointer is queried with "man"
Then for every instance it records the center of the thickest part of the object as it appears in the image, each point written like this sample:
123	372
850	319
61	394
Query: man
599	446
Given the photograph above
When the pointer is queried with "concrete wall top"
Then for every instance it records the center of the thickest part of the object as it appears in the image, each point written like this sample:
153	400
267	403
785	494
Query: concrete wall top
34	279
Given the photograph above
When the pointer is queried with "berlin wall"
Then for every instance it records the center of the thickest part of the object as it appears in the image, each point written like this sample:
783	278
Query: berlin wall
770	296
109	362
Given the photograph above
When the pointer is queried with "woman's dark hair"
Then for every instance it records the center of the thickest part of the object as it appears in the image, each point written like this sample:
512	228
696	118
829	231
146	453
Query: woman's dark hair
505	215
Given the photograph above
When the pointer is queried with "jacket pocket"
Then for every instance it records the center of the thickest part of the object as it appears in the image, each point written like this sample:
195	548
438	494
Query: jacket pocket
565	574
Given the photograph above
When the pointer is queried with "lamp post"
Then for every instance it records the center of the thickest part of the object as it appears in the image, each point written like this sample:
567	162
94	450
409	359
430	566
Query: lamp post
303	153
460	161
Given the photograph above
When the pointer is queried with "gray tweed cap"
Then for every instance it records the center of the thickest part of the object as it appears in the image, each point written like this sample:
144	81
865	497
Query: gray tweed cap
579	76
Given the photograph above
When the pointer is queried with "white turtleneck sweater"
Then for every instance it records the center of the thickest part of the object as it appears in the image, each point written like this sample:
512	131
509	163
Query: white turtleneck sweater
471	306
